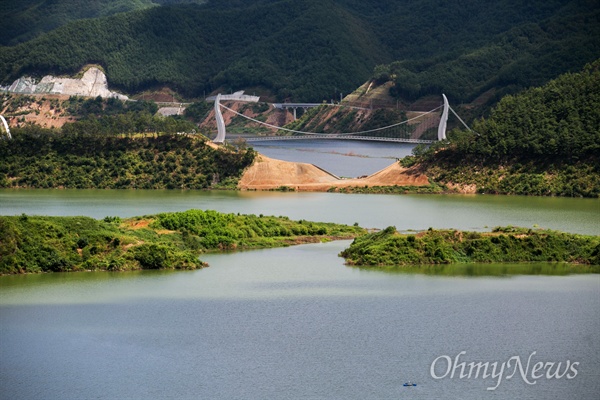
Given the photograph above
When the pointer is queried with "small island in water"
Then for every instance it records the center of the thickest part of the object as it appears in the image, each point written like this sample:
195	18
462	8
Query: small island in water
175	240
502	245
30	244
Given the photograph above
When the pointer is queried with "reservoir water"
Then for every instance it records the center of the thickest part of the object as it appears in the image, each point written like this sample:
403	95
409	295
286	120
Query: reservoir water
296	323
344	158
406	212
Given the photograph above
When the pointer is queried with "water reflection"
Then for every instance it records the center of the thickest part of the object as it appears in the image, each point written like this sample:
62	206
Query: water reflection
479	269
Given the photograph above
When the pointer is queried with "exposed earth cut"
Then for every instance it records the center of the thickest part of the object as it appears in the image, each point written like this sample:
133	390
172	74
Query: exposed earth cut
92	83
268	173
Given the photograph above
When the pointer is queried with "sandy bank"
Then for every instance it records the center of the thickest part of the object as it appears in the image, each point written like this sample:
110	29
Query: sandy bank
268	173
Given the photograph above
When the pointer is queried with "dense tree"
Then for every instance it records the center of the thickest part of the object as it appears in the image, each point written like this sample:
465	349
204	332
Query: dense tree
543	141
309	49
77	158
25	19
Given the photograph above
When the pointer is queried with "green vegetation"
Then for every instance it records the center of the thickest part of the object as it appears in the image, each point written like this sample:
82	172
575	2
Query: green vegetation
212	230
503	245
57	244
491	269
198	111
396	189
169	240
529	52
309	50
25	19
194	48
98	107
544	141
98	116
43	158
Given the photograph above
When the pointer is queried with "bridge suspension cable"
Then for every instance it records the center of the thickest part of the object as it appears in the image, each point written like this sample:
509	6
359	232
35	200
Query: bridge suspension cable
412	132
460	119
337	134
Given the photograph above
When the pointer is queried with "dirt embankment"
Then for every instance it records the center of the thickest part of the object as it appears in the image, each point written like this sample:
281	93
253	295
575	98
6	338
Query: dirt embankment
43	110
267	173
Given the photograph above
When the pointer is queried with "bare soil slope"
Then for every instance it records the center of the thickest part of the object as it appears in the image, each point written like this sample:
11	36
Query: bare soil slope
40	111
268	173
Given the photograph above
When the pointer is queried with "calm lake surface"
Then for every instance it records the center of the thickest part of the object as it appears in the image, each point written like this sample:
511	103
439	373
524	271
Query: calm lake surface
416	212
344	158
296	323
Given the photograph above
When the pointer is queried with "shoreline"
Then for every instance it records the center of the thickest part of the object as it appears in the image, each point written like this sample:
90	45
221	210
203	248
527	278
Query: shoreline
271	174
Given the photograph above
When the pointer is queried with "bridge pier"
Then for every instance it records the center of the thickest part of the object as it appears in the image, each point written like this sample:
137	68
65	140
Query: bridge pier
295	112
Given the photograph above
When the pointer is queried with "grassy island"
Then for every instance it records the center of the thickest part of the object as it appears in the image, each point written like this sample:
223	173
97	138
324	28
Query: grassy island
502	245
30	244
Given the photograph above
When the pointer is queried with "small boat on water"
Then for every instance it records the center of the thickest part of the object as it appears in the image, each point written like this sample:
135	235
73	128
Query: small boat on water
409	383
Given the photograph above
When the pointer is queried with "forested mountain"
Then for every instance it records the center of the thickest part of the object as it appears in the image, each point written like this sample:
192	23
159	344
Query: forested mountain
525	55
23	20
315	49
543	141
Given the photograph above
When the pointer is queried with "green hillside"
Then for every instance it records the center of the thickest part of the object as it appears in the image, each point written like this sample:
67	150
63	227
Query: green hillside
299	49
44	158
314	49
527	54
543	141
23	20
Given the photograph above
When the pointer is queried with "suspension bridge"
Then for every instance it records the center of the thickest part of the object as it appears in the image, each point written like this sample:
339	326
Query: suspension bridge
425	127
410	130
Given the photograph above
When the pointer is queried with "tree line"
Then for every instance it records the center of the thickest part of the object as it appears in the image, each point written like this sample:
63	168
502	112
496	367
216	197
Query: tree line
543	141
47	158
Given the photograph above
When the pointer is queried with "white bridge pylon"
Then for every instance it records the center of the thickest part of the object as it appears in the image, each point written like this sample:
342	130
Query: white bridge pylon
220	121
221	130
6	128
443	120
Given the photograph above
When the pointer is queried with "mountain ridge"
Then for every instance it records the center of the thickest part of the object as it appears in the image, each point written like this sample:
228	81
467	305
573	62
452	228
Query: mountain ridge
315	50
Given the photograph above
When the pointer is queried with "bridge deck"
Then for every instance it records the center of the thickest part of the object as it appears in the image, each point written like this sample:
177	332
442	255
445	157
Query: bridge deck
298	105
313	105
334	137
